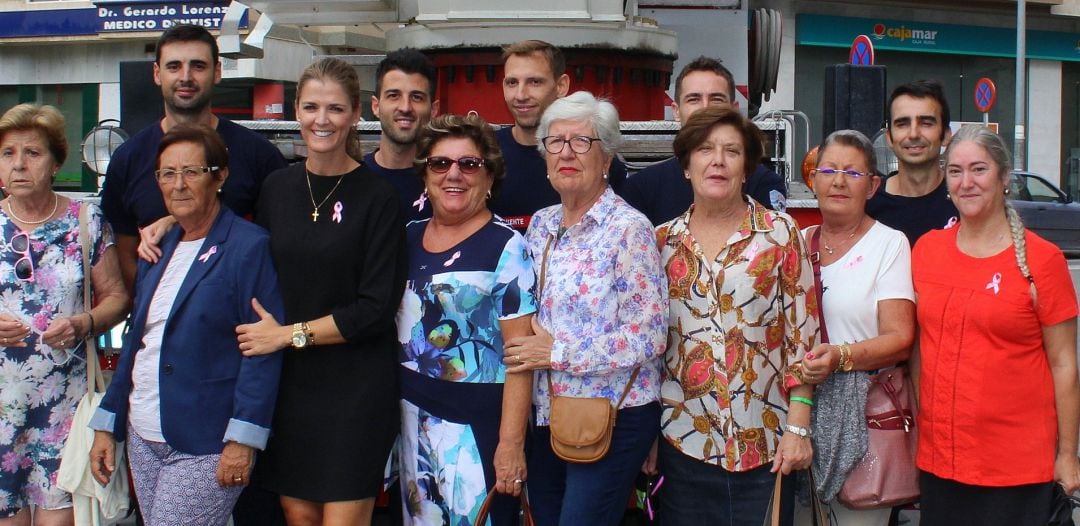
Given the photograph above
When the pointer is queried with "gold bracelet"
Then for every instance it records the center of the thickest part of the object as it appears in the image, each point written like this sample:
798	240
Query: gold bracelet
846	361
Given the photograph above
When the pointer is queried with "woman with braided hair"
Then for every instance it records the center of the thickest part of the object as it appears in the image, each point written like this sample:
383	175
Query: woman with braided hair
996	362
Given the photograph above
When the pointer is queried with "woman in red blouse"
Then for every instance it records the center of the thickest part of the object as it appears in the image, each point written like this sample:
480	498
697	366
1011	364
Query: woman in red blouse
998	391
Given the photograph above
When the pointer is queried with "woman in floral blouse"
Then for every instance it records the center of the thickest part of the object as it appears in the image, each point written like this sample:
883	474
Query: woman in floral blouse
602	315
742	313
42	322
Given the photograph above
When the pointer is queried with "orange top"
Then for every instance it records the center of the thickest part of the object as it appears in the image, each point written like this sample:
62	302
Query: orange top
987	414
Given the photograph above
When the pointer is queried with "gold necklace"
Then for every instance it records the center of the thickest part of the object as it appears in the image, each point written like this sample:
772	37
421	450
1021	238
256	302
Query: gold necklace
831	250
55	205
311	193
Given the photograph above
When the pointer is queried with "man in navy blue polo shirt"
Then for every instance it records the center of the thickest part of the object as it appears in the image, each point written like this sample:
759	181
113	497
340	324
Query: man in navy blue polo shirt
534	76
404	102
661	191
187	68
914	200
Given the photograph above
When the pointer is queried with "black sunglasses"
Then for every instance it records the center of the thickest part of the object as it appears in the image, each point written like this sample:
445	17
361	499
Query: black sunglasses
24	267
468	164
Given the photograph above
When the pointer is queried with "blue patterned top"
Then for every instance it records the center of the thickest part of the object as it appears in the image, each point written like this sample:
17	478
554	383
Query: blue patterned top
448	323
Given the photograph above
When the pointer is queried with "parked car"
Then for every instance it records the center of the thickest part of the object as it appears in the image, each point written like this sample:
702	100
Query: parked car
1046	210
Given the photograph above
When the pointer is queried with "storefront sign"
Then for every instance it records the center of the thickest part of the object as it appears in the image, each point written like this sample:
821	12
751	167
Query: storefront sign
927	37
121	16
110	16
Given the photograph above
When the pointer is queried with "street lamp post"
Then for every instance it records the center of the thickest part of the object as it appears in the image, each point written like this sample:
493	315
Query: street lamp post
1019	135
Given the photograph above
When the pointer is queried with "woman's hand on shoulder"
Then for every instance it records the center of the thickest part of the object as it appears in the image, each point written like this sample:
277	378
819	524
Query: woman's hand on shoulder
264	336
1067	472
526	353
12	331
821	361
150	237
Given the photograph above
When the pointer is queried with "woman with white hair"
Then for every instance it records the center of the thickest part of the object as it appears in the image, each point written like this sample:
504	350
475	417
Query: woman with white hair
602	316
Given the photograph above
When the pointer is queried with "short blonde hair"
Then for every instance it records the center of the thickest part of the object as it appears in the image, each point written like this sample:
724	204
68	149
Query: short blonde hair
42	118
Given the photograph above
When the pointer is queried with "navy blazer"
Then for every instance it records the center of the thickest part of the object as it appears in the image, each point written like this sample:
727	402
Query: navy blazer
210	393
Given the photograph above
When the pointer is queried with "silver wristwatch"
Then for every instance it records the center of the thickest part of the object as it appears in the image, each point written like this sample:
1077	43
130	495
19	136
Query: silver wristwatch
801	431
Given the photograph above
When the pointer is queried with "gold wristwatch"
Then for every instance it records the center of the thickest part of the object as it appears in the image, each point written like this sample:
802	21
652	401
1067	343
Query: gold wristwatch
302	335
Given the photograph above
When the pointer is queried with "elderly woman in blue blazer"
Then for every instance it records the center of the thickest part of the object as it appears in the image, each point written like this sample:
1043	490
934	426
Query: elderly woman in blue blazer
192	407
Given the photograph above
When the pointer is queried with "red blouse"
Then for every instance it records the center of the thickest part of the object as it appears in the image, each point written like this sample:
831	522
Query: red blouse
987	414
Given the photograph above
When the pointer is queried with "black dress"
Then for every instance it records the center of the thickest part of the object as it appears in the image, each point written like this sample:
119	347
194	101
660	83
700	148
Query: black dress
337	409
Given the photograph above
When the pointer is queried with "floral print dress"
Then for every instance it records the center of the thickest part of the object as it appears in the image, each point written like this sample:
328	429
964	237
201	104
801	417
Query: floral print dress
452	370
40	386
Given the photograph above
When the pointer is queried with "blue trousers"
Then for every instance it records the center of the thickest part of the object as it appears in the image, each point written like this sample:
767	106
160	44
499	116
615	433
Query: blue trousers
595	494
698	493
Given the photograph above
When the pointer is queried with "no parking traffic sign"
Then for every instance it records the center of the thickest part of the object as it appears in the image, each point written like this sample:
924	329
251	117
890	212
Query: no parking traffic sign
985	94
862	52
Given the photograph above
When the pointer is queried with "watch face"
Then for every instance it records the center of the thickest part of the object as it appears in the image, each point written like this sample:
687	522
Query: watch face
299	339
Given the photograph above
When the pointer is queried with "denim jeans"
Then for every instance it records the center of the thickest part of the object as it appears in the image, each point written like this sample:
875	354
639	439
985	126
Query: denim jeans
593	494
698	493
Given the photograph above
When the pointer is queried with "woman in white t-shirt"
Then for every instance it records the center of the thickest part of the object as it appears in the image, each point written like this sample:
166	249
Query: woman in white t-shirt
867	308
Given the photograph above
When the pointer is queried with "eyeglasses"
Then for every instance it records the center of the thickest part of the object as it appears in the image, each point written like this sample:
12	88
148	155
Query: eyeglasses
468	164
580	144
190	173
24	267
829	172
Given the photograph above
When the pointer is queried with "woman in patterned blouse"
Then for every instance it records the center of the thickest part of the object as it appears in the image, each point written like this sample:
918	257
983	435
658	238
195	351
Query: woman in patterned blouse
601	318
742	313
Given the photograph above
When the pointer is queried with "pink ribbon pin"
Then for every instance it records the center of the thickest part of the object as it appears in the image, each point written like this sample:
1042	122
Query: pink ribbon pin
419	203
951	222
995	282
206	255
338	207
452	259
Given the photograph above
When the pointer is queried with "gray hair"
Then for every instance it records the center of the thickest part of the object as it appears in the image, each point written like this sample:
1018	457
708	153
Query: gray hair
854	139
583	106
999	153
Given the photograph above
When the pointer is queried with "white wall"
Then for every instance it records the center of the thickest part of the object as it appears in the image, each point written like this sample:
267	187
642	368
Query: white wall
1044	119
74	62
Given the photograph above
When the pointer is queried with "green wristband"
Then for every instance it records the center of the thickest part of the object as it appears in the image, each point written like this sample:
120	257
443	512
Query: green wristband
806	401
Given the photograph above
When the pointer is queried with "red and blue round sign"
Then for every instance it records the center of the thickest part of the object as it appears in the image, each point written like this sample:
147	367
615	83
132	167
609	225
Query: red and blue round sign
985	94
862	52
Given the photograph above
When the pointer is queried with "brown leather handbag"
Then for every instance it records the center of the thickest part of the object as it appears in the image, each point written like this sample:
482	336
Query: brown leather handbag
581	428
485	507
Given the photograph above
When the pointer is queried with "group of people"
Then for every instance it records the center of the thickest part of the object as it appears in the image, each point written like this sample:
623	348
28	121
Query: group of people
424	304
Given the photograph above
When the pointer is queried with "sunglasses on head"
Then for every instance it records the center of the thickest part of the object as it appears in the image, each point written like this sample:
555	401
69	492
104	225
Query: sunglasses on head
467	165
24	267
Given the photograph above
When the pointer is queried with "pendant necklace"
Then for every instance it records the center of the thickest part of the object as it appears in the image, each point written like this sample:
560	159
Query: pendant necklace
831	250
311	193
11	212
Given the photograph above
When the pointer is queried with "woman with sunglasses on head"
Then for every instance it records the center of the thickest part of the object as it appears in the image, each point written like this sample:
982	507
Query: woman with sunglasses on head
999	404
469	290
867	310
338	244
601	319
42	322
741	316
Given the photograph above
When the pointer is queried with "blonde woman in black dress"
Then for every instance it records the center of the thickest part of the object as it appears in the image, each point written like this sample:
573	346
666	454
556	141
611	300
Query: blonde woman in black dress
338	244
